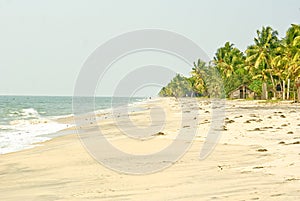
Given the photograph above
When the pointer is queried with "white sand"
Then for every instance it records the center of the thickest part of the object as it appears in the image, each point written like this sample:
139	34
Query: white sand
256	159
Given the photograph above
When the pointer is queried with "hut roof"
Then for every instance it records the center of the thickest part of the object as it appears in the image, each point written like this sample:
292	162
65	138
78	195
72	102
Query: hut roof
243	85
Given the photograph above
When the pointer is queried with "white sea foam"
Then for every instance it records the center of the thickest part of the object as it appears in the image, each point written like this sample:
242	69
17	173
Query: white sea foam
30	112
23	134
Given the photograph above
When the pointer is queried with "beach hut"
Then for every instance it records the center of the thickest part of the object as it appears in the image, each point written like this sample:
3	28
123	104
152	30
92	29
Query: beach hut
242	92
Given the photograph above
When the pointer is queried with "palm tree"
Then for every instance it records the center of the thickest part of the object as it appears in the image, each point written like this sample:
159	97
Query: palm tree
292	54
198	77
165	91
286	62
230	63
214	83
224	60
260	56
178	87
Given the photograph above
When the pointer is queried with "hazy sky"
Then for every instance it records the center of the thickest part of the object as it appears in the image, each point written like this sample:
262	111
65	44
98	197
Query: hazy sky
43	44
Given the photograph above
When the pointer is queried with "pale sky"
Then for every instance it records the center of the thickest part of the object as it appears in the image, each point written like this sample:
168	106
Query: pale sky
43	44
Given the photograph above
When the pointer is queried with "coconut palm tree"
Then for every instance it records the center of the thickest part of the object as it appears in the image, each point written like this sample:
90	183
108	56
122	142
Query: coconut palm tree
286	62
178	87
292	54
230	63
198	77
214	83
260	55
228	59
224	59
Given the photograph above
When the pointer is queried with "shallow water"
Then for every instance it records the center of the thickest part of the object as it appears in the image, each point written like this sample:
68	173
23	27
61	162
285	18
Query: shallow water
25	120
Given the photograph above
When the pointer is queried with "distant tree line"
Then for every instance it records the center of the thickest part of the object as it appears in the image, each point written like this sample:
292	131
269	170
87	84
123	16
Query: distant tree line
270	67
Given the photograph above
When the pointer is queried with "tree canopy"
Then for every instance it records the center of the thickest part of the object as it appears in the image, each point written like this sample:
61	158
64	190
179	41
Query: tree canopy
268	66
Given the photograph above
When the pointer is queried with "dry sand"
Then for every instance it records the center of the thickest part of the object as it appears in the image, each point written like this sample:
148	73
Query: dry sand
257	158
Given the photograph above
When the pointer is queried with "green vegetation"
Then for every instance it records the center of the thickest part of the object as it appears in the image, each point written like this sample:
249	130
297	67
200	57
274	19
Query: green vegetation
270	67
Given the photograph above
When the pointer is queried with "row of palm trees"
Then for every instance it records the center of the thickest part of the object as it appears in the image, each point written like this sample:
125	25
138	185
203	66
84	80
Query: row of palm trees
270	67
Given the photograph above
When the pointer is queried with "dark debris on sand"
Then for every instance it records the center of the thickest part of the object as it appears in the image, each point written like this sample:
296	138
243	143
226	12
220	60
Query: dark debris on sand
159	134
262	150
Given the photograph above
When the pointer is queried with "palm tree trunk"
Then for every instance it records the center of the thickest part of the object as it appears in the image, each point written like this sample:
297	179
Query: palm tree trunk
281	85
298	88
283	90
273	85
288	90
264	91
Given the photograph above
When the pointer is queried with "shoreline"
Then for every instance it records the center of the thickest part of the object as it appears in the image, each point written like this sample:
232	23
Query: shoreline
107	112
32	128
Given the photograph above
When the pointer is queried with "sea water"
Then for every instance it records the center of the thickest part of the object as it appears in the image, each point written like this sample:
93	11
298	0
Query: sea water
26	120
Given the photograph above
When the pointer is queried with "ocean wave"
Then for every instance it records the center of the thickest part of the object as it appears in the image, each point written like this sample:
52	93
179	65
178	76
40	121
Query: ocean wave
24	113
29	113
23	133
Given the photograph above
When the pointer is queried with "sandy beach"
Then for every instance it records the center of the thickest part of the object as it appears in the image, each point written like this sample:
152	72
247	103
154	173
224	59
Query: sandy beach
256	158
